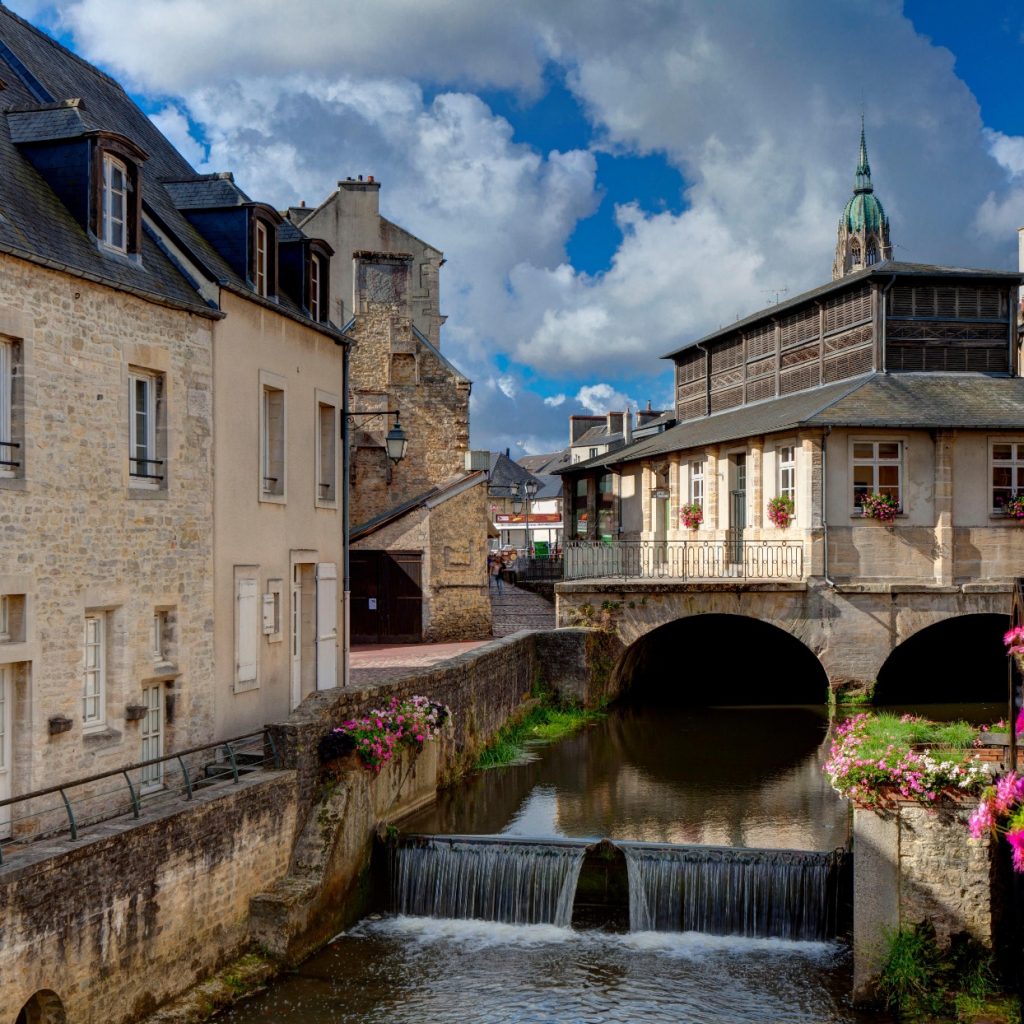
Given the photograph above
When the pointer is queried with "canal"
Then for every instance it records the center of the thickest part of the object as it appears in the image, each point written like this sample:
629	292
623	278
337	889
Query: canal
729	776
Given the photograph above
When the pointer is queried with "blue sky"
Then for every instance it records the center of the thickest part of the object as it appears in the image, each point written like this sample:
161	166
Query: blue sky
607	178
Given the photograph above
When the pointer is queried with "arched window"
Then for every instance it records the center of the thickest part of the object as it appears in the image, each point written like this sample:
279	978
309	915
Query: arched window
114	205
855	253
872	252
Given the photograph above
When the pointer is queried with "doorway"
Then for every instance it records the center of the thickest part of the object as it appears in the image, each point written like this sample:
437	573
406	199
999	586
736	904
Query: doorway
737	507
302	652
152	777
387	597
6	704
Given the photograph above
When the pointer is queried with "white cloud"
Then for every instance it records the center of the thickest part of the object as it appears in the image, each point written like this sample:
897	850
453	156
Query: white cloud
601	398
507	386
174	124
554	400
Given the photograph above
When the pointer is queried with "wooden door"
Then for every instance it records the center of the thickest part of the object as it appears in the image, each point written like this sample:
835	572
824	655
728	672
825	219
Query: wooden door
152	738
387	597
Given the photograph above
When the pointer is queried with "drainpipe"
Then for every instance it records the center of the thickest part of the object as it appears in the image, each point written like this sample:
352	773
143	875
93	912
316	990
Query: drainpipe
824	500
885	292
346	577
707	378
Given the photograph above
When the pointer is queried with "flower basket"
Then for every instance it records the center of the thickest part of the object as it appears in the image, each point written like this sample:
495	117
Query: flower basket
882	507
691	516
1014	508
780	511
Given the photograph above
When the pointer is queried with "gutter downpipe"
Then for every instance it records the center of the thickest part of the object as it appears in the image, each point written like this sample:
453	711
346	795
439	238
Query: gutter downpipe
824	503
885	292
346	576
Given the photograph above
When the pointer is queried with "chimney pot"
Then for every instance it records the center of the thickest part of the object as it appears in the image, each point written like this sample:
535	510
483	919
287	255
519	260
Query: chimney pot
369	177
302	203
360	177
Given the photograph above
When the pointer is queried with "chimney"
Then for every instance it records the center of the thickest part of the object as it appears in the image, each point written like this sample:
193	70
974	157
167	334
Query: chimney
615	423
579	425
627	426
1020	249
361	197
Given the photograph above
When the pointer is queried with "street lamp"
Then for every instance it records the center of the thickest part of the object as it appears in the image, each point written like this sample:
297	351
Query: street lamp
396	442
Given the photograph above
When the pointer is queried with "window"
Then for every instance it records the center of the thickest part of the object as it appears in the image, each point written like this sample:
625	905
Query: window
261	263
114	207
314	287
877	469
9	448
326	453
161	628
697	483
1007	473
593	453
94	680
144	467
272	442
5	619
787	472
247	629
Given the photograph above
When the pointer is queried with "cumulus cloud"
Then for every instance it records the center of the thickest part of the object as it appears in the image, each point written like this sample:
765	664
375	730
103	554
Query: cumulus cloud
555	400
601	398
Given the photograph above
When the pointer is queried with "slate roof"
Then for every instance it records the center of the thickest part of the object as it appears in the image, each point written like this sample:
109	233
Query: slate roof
884	269
205	192
544	464
40	76
890	400
432	497
505	474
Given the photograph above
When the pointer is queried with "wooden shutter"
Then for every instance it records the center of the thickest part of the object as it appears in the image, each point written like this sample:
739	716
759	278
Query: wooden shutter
326	625
247	630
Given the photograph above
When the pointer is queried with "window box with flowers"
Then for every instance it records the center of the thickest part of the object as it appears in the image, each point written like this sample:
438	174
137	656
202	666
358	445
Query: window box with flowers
780	511
883	507
1013	508
691	516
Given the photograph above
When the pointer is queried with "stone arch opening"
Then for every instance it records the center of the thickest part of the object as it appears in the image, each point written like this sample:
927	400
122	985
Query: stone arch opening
720	659
45	1007
960	659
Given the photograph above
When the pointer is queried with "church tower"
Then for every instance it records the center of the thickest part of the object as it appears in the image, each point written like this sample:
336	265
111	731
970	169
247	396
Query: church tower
863	228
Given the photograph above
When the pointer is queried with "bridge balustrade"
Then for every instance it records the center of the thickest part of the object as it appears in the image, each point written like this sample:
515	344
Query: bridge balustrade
684	560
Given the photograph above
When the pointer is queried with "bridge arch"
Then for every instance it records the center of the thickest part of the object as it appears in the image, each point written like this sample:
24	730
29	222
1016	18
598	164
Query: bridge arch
957	659
721	658
45	1007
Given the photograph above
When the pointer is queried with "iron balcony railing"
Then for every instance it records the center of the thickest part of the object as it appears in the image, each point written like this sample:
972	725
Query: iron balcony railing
72	806
539	568
727	559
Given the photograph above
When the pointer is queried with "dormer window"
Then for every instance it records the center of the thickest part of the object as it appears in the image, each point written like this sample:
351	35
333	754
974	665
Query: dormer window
314	287
262	262
114	207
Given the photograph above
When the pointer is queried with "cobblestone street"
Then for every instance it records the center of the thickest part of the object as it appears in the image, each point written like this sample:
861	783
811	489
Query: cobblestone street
516	609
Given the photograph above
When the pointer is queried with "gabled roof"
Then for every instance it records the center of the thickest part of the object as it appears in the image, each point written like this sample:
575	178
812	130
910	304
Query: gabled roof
505	474
884	269
541	464
889	400
206	192
428	499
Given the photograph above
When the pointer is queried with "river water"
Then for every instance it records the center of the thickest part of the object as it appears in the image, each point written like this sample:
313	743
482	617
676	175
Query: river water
724	776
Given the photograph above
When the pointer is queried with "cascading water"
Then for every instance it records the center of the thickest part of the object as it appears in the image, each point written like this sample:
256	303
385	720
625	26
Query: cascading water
514	883
788	894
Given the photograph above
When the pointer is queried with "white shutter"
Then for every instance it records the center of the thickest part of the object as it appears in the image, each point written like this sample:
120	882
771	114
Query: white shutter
326	625
247	631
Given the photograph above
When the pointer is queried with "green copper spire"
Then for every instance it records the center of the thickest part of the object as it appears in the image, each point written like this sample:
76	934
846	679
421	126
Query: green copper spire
862	181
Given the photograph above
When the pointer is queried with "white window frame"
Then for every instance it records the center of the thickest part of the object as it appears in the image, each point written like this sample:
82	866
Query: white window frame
7	449
144	471
273	444
112	197
5	619
785	473
261	261
94	671
327	428
696	485
875	462
1015	464
314	287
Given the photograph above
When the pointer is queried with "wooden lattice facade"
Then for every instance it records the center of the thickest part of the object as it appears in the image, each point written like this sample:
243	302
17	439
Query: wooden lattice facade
887	321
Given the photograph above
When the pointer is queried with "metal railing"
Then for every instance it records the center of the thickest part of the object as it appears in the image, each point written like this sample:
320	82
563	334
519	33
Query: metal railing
72	806
540	568
685	559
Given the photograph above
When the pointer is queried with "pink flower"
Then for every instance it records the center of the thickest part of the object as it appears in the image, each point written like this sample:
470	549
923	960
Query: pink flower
1016	840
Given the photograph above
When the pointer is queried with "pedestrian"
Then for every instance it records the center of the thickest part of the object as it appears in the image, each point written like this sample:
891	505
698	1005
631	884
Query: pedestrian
510	559
494	571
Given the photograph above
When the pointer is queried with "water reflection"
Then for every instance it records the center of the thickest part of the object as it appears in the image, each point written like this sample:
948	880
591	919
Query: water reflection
725	776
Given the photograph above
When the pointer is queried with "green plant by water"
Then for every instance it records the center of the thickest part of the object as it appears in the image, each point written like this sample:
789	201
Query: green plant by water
545	723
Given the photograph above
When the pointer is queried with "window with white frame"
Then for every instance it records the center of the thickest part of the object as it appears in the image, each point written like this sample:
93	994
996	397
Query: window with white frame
272	441
786	456
877	469
5	619
327	453
162	635
114	204
145	467
1007	461
593	453
10	448
247	630
261	263
696	494
94	678
314	287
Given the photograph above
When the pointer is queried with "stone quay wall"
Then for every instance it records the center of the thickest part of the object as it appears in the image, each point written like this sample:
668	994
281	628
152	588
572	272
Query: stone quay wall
130	916
911	864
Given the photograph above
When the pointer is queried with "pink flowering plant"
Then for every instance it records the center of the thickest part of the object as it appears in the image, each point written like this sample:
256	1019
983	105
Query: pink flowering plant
873	760
883	507
780	511
691	516
378	736
1001	812
1014	507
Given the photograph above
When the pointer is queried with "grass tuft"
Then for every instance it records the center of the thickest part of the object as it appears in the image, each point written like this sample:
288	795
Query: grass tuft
545	723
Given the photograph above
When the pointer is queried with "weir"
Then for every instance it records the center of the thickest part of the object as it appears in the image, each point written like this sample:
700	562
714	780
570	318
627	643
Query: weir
789	894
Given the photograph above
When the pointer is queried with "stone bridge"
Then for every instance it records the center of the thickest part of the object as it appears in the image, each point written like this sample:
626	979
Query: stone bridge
852	630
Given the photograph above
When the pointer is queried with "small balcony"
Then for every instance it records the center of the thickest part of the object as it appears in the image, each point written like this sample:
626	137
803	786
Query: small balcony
684	560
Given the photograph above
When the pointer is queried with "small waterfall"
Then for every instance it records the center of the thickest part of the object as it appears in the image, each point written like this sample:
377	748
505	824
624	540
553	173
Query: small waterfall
789	894
507	881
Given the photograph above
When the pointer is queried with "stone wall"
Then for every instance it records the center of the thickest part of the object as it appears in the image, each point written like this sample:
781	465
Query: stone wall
913	864
79	536
118	923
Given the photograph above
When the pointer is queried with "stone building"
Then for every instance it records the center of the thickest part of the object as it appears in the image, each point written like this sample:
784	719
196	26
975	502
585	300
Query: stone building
417	572
169	409
863	235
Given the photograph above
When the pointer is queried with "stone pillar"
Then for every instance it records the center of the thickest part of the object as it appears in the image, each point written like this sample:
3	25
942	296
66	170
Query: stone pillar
592	508
675	493
944	568
755	482
810	507
646	485
711	488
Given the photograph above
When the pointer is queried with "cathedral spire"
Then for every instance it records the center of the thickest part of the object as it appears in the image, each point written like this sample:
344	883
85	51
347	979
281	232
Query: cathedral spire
863	237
